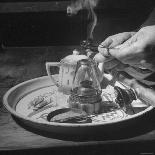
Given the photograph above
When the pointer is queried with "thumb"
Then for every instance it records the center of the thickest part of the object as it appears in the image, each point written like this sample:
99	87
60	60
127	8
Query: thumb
104	51
99	58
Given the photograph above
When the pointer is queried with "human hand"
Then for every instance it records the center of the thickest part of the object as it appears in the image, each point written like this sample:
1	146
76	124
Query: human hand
137	51
111	42
115	40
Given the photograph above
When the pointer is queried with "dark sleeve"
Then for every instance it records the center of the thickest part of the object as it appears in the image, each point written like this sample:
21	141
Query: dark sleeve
150	20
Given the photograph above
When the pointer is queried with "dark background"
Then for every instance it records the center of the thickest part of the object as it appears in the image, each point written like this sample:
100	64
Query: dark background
47	28
24	26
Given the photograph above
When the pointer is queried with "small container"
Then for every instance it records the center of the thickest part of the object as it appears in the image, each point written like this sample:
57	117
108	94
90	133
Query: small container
124	97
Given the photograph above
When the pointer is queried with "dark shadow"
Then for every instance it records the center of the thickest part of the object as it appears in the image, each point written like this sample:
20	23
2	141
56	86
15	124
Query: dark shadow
117	131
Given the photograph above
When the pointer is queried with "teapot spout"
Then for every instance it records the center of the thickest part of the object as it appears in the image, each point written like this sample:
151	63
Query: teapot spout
101	71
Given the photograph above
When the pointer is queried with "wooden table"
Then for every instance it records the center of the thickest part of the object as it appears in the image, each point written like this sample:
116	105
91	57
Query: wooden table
15	138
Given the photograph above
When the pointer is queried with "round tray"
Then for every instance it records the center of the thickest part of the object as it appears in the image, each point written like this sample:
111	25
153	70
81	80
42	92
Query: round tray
19	102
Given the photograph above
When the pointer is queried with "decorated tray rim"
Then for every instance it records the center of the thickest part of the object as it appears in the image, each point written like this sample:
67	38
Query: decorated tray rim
15	113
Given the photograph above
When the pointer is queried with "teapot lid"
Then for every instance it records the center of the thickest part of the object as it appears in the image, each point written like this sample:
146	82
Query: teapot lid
73	59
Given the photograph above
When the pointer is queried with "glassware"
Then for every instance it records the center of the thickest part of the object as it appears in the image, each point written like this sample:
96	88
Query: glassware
86	89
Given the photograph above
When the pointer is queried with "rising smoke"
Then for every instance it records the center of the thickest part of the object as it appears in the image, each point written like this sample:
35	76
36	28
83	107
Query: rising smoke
77	5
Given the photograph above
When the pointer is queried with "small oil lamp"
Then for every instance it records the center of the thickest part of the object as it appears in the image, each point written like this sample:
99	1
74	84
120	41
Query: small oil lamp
86	90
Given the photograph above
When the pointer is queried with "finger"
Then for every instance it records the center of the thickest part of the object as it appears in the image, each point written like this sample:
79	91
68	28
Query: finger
114	51
117	68
104	52
100	57
124	54
116	42
107	42
129	42
121	38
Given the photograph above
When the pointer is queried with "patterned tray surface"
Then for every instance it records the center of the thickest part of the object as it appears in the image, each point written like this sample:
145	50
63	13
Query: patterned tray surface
39	103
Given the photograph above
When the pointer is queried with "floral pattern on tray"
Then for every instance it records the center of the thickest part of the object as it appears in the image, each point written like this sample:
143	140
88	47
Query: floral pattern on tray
38	104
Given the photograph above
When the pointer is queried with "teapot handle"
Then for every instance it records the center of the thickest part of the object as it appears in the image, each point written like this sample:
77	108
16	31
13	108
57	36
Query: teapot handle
48	66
